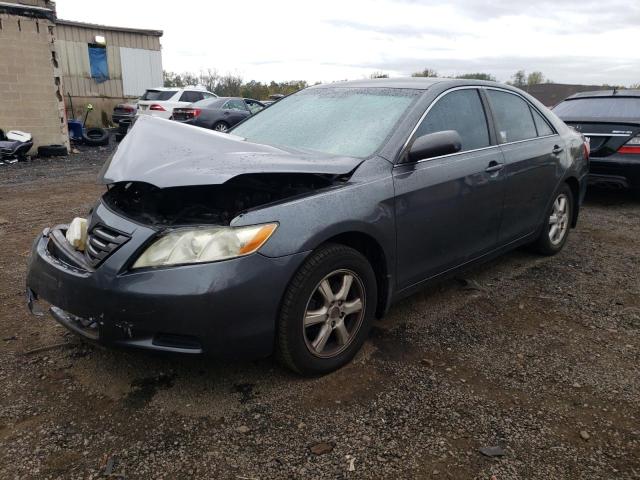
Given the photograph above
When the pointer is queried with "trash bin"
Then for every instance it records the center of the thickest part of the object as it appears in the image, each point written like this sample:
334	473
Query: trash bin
75	129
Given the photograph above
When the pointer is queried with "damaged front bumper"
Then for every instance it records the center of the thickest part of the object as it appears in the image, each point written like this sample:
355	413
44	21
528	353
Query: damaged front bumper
226	309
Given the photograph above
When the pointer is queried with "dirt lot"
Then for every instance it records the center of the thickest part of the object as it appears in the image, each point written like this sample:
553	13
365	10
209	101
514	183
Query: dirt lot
538	356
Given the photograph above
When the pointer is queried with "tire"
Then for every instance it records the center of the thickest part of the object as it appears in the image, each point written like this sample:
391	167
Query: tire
95	137
119	136
548	243
52	151
310	350
221	127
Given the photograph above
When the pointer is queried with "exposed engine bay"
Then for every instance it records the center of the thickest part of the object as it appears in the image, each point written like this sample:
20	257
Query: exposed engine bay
210	204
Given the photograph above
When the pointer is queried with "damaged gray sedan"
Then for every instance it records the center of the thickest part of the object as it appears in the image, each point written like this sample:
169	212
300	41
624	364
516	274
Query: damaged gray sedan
297	229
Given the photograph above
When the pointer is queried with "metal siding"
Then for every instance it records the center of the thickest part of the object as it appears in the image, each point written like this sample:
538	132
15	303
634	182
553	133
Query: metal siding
141	69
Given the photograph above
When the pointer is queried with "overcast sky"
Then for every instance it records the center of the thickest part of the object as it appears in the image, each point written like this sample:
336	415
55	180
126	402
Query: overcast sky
570	41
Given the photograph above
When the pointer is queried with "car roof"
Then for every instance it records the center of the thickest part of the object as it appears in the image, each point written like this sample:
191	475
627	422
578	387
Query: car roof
623	92
416	83
197	88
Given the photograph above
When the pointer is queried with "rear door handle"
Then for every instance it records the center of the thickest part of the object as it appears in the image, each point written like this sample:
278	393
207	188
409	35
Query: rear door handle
494	167
557	149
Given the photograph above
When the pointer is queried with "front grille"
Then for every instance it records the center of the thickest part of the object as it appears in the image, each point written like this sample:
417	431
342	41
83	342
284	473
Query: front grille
101	242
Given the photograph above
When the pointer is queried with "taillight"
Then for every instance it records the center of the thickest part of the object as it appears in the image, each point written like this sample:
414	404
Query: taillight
158	108
632	146
129	109
195	112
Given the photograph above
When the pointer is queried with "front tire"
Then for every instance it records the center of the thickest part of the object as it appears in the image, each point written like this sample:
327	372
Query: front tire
327	311
557	223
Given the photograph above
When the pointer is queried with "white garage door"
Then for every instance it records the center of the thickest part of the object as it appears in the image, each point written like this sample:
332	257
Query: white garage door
141	69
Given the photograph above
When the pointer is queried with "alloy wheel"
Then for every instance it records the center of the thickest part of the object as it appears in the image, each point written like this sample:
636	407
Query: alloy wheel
559	219
221	127
334	313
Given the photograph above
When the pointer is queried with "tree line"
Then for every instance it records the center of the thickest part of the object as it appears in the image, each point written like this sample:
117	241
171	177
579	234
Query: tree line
234	86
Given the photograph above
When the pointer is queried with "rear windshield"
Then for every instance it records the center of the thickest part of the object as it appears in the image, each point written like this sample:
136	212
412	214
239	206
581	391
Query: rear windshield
339	121
605	107
210	102
158	94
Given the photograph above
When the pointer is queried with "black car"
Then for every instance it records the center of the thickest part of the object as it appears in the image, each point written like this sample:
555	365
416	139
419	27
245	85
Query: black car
294	231
610	119
124	111
219	113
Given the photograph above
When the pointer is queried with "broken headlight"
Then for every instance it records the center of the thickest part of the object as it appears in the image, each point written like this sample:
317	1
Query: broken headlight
207	244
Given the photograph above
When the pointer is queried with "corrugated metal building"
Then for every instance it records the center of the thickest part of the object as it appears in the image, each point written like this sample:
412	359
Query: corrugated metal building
133	64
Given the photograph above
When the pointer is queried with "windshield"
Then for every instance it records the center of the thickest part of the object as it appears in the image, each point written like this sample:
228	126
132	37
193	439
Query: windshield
339	121
158	94
605	107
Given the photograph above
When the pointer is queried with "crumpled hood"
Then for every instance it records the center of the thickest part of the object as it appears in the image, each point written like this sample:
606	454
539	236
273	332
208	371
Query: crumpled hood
165	153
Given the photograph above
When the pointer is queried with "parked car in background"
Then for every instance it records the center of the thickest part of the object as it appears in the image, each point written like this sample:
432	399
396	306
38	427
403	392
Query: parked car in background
219	113
305	222
273	98
160	102
610	119
123	111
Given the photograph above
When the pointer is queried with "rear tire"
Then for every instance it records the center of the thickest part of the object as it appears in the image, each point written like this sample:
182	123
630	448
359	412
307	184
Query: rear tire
327	311
221	127
557	223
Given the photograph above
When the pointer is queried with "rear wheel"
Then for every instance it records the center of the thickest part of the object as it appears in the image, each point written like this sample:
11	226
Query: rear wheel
327	311
221	127
555	230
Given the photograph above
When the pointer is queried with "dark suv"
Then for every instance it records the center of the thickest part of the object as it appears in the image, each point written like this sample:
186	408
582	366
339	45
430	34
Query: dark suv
295	230
610	119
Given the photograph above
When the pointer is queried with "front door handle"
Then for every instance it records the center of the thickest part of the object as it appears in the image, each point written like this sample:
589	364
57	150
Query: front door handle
494	167
557	149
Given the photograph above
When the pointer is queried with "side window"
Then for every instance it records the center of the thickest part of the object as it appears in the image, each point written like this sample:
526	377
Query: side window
513	117
462	111
235	104
542	126
191	96
207	95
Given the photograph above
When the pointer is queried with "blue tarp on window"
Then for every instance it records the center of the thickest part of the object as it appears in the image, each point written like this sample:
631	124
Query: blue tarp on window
98	62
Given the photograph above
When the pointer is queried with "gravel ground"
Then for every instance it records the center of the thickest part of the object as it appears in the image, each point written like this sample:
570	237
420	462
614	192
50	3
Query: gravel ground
536	356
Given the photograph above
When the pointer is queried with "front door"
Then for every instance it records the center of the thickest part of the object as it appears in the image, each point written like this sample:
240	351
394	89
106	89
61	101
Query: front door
448	209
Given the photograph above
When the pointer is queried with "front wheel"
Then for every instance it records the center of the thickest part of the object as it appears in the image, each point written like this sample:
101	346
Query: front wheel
327	311
555	230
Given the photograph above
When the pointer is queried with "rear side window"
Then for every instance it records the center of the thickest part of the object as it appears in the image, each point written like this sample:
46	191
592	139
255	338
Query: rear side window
462	111
606	107
158	94
191	96
235	105
513	117
542	126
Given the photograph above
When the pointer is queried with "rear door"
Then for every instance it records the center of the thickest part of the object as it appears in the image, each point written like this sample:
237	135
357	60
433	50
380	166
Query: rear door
533	152
235	110
448	208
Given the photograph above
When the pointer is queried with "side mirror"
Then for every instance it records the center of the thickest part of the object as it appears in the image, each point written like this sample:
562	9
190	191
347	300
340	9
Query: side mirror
435	145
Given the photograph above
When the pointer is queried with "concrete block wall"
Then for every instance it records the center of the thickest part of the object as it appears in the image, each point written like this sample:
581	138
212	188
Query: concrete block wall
31	95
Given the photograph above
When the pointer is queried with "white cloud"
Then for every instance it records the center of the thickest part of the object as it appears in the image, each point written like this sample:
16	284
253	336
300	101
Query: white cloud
570	41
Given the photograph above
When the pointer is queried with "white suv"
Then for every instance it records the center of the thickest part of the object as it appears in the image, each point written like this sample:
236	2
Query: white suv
161	101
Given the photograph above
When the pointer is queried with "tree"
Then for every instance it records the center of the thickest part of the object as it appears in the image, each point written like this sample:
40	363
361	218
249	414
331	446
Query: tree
635	86
427	72
535	78
379	75
477	76
518	79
